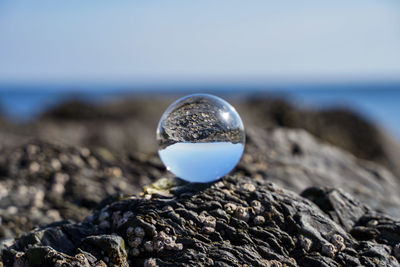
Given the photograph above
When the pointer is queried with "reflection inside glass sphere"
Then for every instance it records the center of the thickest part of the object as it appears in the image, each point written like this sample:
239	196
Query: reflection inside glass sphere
201	138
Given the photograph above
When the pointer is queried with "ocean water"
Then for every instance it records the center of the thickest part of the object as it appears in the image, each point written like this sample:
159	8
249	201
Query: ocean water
201	162
378	102
380	106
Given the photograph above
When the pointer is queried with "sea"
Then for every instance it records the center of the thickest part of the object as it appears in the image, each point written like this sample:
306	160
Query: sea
378	102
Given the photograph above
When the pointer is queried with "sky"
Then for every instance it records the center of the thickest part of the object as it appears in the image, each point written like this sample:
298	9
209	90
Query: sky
141	41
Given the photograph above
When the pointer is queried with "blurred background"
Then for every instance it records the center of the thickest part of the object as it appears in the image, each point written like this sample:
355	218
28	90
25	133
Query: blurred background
314	53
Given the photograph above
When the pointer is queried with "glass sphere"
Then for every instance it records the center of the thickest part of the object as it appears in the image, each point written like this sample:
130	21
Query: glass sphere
201	138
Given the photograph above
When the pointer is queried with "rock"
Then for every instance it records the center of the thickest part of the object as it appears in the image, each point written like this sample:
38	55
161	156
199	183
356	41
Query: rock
67	185
341	127
296	232
62	167
64	183
129	124
109	248
340	207
296	160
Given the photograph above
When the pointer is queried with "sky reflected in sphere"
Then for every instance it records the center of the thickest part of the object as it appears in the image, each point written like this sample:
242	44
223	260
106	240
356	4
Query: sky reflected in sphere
201	162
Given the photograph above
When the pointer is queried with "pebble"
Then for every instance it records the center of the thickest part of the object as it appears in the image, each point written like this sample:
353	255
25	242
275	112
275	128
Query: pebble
242	214
60	177
3	191
93	162
32	149
150	263
219	184
54	215
329	250
85	152
169	243
372	223
248	187
130	231
77	161
162	240
259	220
34	167
210	221
338	242
230	208
82	259
114	172
148	246
139	231
59	182
305	243
11	210
134	242
38	199
207	230
63	158
158	245
55	164
257	207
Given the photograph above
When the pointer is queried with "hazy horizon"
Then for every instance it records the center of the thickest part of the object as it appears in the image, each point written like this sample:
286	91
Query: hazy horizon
171	86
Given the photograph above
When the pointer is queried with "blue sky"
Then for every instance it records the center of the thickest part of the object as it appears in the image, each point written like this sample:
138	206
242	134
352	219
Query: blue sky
132	41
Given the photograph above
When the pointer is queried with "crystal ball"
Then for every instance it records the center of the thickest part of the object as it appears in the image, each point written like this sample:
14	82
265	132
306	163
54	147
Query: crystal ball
201	138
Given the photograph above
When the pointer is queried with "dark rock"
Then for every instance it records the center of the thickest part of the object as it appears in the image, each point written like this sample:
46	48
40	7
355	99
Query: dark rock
109	248
130	124
269	156
340	207
341	127
42	182
164	241
95	162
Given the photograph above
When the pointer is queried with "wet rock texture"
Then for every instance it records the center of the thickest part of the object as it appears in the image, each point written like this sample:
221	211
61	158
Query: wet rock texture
294	199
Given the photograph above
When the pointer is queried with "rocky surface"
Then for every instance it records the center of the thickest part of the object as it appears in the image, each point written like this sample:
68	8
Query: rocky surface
43	182
296	160
238	221
130	125
341	127
79	158
199	119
